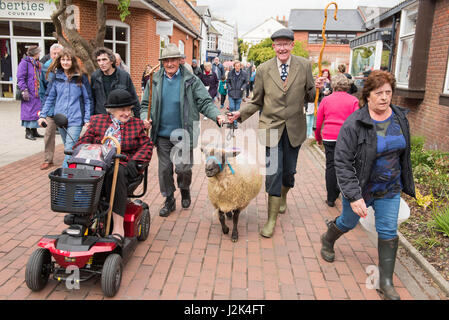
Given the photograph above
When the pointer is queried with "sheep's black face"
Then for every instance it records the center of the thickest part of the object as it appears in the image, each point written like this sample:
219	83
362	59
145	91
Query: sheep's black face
212	167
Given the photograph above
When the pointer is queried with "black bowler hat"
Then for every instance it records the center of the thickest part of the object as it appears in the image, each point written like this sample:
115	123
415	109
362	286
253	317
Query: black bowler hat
283	33
119	98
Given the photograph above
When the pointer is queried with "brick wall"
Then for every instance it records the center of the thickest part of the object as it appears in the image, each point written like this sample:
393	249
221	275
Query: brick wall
144	43
188	12
427	117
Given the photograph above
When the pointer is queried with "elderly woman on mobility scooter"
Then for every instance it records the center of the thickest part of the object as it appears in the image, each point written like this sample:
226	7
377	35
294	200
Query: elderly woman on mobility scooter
135	144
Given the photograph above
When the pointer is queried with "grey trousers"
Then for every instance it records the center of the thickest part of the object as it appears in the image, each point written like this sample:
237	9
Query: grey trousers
168	156
49	140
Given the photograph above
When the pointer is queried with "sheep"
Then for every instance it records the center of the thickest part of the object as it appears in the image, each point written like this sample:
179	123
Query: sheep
232	184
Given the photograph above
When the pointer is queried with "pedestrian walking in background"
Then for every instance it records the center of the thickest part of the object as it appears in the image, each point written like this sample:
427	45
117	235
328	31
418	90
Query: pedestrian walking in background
223	90
237	80
145	76
185	64
342	69
310	118
196	68
28	73
373	166
178	97
120	64
45	82
68	95
218	69
248	70
108	77
210	80
252	78
327	89
282	85
332	113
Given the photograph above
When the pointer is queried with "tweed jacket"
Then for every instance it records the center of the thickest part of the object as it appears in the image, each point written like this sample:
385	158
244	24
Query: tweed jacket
135	144
281	103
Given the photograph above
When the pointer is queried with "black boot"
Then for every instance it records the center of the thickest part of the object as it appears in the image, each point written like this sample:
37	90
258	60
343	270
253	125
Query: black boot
328	240
387	257
185	202
29	134
35	133
169	206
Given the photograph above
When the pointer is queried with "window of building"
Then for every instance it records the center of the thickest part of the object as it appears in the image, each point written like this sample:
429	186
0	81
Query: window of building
332	37
405	47
118	40
446	83
181	46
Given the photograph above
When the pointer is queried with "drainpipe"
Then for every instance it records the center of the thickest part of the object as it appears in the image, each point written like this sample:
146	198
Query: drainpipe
393	44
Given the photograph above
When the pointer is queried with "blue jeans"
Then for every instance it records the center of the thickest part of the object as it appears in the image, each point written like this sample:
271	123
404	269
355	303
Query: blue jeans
385	213
234	105
74	133
309	119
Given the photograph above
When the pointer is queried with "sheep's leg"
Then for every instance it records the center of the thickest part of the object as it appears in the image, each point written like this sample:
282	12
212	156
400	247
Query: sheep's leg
235	220
229	214
222	219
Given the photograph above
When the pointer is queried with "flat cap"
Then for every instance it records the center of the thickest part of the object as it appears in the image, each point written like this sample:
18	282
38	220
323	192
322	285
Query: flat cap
283	33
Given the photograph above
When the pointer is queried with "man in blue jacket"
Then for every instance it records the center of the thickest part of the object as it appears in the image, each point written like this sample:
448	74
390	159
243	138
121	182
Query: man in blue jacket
50	131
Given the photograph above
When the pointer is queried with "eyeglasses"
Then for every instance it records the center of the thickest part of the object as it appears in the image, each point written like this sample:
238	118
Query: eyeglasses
282	45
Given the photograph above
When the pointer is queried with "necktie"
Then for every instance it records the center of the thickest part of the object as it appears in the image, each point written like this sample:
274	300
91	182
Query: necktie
284	72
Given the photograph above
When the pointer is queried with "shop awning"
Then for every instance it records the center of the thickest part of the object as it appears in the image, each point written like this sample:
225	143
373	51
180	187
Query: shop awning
383	34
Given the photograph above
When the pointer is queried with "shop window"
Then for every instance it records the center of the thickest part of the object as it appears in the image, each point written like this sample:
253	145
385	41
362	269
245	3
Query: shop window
4	28
26	29
363	59
117	39
406	43
6	89
49	28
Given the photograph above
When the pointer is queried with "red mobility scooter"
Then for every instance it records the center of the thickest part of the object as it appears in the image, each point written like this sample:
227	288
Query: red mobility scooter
84	250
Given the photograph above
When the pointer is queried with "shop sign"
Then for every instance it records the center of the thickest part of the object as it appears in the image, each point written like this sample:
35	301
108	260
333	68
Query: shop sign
26	9
164	28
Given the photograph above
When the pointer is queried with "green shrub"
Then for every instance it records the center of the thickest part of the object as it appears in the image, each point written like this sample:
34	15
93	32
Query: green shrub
441	218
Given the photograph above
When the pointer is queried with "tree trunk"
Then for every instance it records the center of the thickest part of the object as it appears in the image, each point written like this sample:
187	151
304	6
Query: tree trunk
68	36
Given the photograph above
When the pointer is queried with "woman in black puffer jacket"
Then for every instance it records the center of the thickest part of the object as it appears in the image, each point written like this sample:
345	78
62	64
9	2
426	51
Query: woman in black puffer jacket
373	166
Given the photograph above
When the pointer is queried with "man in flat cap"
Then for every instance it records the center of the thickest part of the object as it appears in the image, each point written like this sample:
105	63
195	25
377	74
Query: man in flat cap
281	86
177	99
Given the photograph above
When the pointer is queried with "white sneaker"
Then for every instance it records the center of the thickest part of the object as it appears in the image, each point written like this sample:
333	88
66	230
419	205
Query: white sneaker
205	118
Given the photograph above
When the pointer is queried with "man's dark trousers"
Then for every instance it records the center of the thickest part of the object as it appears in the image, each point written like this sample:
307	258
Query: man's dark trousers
287	158
183	169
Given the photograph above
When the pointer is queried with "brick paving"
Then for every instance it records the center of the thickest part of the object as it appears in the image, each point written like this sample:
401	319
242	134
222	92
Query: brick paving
186	255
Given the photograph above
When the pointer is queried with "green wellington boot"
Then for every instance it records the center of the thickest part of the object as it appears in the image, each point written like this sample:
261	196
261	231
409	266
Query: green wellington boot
387	257
328	240
283	206
273	209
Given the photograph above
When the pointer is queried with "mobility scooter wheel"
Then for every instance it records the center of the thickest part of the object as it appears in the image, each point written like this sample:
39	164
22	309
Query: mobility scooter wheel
38	269
144	225
111	276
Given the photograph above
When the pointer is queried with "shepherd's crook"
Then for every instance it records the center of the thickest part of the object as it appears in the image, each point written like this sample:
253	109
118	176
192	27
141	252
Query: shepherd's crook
323	34
151	93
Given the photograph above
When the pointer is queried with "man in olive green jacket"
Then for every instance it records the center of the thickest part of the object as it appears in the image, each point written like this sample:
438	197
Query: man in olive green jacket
281	86
177	99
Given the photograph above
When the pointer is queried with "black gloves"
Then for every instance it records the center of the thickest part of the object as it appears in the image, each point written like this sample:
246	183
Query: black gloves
131	169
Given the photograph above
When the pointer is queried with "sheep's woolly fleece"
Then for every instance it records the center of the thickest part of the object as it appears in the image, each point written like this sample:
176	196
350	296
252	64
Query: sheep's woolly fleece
228	192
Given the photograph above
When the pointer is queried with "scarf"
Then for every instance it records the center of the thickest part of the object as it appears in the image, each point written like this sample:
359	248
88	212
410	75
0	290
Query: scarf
114	131
37	71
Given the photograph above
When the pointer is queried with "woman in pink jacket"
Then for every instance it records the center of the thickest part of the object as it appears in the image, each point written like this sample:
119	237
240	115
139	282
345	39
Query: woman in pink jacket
332	112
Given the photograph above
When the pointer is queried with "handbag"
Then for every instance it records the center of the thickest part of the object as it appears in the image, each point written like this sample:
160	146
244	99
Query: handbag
369	223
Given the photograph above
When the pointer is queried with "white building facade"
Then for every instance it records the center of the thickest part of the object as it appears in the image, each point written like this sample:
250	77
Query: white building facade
226	41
